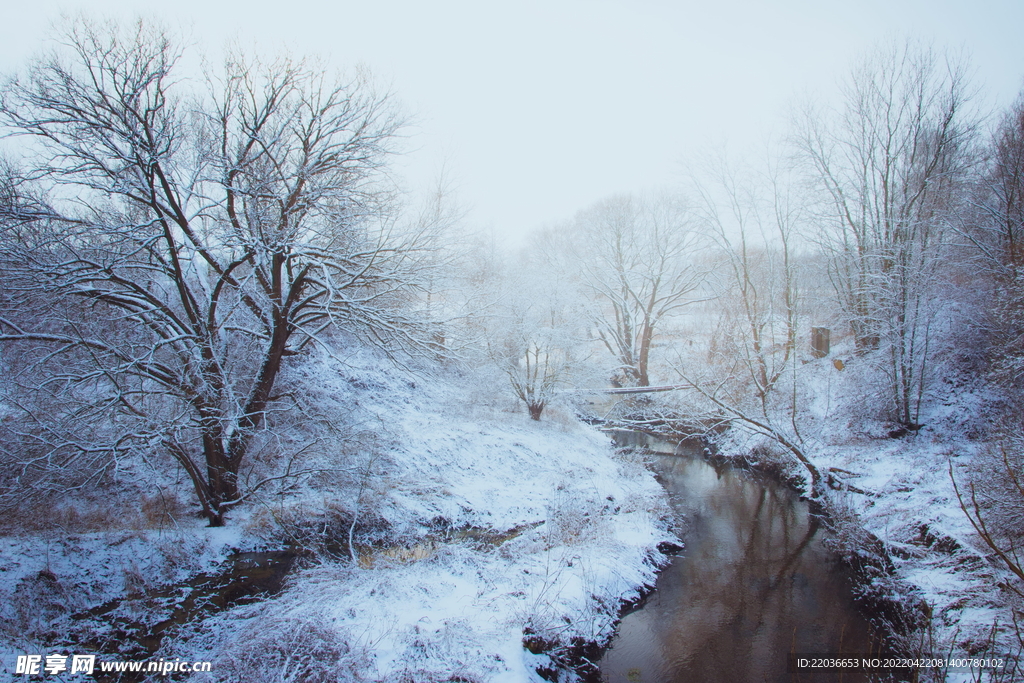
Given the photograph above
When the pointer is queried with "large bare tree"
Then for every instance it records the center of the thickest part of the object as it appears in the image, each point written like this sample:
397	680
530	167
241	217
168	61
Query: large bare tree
166	252
639	258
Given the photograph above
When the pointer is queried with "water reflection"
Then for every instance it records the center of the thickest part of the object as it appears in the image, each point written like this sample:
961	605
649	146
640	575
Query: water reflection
753	584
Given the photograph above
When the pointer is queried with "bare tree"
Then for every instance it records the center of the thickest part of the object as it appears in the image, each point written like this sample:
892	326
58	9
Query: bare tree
1003	202
638	259
892	162
993	231
533	321
535	361
753	219
187	247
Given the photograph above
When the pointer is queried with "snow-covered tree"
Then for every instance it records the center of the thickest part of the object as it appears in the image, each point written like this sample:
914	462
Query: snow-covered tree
639	259
994	233
537	331
892	162
165	254
753	218
747	375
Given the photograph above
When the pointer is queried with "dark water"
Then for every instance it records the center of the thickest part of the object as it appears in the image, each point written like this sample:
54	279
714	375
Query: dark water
246	577
753	584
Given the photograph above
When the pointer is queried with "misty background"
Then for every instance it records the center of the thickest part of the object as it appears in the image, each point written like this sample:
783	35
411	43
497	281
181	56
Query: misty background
536	110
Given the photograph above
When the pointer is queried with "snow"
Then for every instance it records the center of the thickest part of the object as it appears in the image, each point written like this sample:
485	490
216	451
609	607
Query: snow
91	569
567	529
494	530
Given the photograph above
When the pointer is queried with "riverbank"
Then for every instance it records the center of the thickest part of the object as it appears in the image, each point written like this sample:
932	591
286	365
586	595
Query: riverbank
473	531
891	499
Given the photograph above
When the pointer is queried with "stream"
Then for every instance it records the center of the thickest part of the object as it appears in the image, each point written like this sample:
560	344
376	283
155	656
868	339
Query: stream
753	584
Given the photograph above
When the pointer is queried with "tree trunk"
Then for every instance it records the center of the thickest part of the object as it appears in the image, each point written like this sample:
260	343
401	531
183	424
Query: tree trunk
645	351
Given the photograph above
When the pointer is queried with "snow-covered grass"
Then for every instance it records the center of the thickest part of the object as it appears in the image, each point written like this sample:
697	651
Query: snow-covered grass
475	529
46	578
588	524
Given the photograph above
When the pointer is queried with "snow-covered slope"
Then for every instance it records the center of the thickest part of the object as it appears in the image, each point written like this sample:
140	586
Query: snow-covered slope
490	529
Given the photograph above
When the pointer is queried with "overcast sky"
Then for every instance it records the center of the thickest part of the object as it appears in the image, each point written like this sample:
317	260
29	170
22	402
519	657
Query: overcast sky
538	109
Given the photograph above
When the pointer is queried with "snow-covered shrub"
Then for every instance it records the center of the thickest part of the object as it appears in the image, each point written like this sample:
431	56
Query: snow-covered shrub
36	603
574	516
285	649
848	537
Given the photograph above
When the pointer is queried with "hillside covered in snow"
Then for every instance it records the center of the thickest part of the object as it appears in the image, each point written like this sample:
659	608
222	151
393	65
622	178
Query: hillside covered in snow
472	532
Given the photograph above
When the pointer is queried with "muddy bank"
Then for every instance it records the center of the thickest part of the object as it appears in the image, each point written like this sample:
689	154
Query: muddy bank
134	627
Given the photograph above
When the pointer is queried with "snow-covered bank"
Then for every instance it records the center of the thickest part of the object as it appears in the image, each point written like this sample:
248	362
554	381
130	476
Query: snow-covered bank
896	484
590	524
474	528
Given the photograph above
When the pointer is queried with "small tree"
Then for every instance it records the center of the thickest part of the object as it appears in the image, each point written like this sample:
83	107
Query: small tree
185	248
537	335
535	365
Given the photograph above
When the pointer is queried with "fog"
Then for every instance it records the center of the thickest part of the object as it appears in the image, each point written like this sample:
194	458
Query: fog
538	110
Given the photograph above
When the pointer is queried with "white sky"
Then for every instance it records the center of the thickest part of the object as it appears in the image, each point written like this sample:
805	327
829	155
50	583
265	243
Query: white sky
540	108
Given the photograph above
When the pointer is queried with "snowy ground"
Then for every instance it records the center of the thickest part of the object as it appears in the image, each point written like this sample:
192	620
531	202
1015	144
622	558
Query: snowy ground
493	530
496	529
